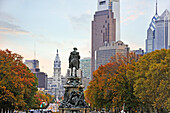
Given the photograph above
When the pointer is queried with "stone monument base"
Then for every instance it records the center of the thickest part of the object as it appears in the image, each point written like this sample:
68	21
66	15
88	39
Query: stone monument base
74	110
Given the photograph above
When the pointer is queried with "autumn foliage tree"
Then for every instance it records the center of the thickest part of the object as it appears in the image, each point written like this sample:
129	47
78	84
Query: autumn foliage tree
17	83
112	84
138	84
40	97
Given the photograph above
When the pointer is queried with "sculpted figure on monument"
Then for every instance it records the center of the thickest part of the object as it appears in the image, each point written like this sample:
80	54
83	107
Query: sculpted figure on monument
66	97
73	98
81	101
74	61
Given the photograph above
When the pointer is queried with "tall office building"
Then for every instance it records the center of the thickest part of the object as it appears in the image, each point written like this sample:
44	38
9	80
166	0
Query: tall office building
151	33
115	5
162	31
104	53
103	28
33	65
85	66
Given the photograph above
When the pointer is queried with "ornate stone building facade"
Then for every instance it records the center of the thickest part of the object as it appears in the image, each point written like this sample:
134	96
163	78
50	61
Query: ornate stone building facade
56	82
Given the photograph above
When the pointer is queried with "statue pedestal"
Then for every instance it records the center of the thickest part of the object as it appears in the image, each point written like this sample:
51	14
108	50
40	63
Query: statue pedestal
74	101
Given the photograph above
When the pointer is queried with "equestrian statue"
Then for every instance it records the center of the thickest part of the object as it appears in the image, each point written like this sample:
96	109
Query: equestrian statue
74	61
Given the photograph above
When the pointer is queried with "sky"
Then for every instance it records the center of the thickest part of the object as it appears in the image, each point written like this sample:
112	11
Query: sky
43	26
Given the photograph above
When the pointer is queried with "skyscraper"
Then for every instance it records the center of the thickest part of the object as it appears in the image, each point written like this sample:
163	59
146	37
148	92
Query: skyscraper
85	66
33	65
115	5
151	33
162	31
103	28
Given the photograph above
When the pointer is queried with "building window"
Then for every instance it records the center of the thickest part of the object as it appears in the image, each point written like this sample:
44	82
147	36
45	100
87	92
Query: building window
149	41
150	47
102	2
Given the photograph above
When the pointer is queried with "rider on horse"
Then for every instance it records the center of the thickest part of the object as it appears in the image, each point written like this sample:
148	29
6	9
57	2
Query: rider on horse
74	61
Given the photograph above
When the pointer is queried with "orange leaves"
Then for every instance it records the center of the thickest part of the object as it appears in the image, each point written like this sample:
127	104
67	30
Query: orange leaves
6	95
16	78
110	82
41	97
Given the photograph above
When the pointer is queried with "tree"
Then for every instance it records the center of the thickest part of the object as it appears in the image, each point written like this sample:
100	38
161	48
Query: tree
152	80
112	83
17	83
40	97
125	81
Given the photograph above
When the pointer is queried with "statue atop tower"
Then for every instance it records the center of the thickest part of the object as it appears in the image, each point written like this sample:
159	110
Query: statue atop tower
57	62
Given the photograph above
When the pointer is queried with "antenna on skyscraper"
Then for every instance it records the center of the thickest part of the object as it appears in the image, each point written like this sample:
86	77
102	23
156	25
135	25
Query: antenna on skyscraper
156	7
35	50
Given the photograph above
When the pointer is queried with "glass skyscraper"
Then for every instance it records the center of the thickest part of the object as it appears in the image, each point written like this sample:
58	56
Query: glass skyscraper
151	33
158	33
162	31
85	66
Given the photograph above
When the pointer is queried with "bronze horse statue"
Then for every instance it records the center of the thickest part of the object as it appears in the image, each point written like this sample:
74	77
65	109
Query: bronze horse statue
74	61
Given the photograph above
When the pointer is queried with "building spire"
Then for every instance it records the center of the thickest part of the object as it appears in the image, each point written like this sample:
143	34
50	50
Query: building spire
57	51
156	7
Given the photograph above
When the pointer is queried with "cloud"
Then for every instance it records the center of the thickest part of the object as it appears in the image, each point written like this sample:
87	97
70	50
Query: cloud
7	25
85	48
51	43
80	22
8	28
6	17
131	17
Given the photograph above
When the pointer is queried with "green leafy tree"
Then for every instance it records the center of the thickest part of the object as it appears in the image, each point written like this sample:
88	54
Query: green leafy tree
152	80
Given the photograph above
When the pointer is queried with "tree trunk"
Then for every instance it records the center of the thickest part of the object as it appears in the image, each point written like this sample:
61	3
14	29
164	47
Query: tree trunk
10	111
6	110
3	110
140	109
150	109
130	110
155	110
